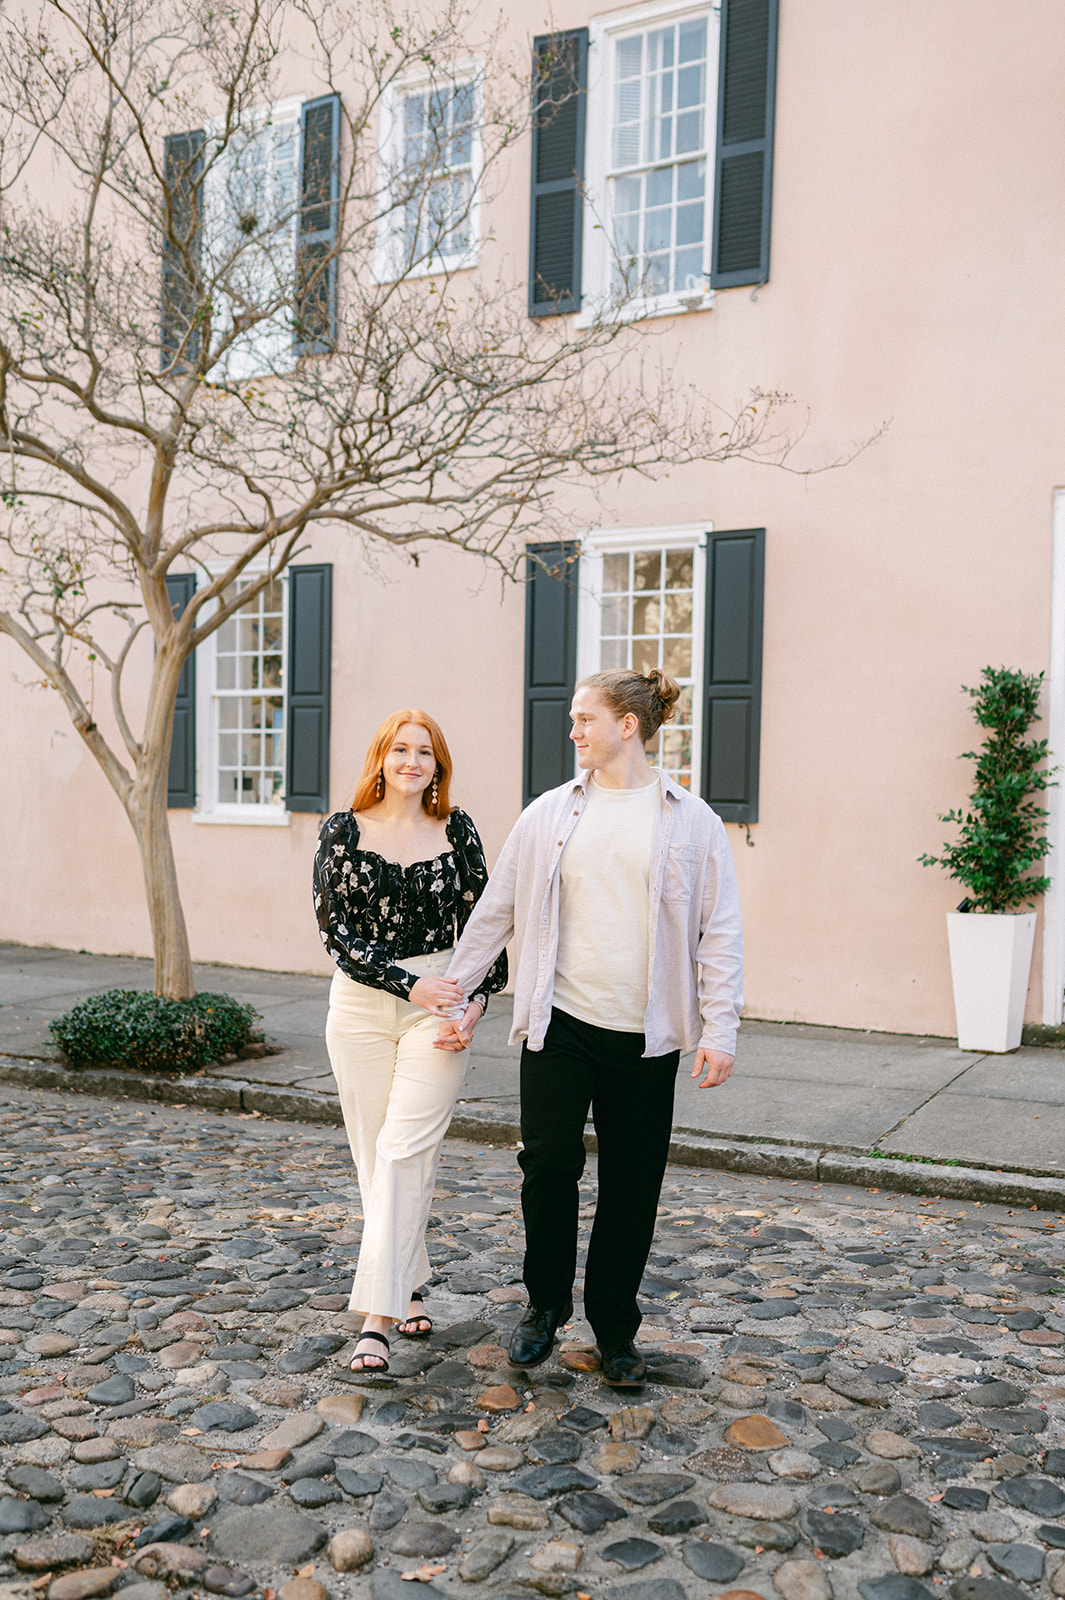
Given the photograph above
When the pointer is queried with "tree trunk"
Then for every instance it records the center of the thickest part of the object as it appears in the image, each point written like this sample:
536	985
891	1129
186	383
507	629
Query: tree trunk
170	940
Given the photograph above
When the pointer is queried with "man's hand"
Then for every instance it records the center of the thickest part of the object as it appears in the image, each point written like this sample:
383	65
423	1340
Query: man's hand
456	1033
716	1064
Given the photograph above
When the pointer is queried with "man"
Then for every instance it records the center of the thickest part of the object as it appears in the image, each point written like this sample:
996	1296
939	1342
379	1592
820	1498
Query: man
621	891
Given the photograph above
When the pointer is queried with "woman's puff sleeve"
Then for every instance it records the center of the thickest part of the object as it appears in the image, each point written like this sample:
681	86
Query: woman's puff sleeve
360	959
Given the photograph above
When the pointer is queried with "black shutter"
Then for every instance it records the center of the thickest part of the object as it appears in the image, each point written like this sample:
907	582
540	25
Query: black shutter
316	266
560	82
181	777
310	631
743	180
550	665
183	176
735	586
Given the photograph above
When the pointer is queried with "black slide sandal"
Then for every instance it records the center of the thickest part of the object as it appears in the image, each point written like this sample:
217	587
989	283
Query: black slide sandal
404	1327
382	1367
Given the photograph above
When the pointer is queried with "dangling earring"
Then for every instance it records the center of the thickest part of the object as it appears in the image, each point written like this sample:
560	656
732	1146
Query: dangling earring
435	790
380	785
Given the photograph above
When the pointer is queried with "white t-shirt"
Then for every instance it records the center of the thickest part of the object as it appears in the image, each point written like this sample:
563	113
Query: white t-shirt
605	874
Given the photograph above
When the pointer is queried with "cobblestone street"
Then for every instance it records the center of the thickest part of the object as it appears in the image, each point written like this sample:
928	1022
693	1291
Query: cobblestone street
853	1393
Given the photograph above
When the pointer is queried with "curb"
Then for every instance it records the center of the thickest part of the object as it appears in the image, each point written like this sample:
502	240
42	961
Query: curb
687	1148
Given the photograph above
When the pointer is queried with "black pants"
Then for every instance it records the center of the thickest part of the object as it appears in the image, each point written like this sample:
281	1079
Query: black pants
631	1099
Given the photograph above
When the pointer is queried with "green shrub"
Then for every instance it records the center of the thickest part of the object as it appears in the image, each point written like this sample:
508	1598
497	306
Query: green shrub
1003	833
134	1028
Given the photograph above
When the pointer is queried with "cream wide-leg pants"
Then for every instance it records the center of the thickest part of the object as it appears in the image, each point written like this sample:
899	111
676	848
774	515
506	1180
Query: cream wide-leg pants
397	1094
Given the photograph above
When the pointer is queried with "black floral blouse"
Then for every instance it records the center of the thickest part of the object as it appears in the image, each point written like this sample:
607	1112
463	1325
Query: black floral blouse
373	913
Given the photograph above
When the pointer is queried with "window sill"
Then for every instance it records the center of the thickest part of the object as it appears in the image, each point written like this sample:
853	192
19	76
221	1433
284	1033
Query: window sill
444	268
644	309
245	816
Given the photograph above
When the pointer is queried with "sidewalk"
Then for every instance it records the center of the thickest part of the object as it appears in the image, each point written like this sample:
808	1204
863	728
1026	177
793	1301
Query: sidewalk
816	1095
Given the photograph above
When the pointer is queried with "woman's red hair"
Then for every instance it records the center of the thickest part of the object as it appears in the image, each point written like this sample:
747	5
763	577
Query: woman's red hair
366	793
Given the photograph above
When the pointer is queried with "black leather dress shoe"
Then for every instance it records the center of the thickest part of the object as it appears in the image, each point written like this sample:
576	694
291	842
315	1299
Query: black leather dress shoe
534	1338
621	1365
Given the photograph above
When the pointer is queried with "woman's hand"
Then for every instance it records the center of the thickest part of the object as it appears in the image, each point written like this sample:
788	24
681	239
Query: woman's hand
456	1033
438	995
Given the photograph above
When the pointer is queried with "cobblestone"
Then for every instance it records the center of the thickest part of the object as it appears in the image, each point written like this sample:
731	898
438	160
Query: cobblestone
850	1392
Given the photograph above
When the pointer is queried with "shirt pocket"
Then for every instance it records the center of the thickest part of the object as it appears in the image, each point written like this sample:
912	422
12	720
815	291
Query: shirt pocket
681	872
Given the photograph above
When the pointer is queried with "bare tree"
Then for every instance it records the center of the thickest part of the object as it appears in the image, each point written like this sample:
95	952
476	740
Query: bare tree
210	347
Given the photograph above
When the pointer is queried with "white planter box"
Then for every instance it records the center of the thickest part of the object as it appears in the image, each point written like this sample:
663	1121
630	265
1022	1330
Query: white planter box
990	957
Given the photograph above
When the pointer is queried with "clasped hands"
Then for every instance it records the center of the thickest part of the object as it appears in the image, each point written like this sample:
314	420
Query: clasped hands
441	996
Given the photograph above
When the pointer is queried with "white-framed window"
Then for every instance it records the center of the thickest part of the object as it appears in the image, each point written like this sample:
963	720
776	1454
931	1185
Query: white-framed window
429	171
651	124
241	712
641	605
251	202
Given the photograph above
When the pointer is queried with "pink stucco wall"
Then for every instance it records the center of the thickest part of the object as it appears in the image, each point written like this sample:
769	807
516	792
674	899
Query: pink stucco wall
917	279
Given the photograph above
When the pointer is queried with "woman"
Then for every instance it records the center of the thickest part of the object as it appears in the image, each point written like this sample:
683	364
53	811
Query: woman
395	879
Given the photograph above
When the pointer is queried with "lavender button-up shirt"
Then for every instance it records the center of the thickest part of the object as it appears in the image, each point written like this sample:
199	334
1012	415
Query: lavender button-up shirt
695	935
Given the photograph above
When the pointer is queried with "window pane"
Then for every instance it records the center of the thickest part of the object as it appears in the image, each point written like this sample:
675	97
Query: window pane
678	614
688	271
689	226
648	569
660	187
690	94
627	193
646	616
691	181
627	243
226	672
615	573
615	617
660	49
658	230
630	56
676	748
689	132
656	277
644	655
462	125
679	569
614	653
677	657
692	40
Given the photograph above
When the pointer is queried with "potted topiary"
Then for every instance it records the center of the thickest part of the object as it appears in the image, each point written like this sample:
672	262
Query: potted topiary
1002	836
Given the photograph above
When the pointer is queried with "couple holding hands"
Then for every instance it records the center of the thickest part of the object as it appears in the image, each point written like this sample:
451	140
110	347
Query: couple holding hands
619	891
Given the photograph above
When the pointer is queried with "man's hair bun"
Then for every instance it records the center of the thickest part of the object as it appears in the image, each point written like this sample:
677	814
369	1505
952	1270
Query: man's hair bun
666	692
